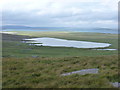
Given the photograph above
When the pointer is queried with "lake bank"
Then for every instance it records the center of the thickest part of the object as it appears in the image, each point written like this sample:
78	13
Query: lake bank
15	47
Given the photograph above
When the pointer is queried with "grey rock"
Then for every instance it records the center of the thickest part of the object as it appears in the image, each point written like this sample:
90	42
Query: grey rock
35	56
83	72
116	84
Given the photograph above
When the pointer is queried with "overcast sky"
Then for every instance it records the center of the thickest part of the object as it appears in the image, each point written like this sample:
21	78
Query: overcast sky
61	13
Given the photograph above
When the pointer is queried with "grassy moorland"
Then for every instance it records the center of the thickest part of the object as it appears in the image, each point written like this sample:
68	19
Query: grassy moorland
27	66
18	49
46	72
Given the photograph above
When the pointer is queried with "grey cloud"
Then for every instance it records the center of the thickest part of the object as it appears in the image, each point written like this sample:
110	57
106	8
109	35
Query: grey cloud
51	18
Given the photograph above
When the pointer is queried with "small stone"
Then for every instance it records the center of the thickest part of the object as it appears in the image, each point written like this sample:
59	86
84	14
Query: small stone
35	56
116	84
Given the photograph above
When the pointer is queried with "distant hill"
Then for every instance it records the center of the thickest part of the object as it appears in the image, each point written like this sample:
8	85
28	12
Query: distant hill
27	27
105	28
15	27
51	28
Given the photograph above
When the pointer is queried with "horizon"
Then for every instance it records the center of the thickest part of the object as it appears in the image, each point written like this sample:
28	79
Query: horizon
7	26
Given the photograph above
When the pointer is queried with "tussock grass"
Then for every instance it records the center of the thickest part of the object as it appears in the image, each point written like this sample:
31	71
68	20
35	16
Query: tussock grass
46	72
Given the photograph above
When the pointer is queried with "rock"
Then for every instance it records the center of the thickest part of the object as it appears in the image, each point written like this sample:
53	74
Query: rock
35	56
83	72
116	84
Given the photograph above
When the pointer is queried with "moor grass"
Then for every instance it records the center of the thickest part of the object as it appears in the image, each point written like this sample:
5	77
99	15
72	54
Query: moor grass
16	48
27	66
46	72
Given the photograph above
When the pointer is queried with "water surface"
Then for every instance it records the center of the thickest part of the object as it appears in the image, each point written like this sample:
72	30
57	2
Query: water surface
55	42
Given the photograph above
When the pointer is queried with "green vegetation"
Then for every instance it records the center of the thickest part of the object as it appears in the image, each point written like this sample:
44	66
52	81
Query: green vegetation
18	49
46	72
27	66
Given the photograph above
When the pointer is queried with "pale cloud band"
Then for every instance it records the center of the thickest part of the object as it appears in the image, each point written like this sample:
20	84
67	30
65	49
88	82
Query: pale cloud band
61	13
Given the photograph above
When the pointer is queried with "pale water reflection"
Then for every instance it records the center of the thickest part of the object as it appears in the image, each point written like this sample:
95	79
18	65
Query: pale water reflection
55	42
106	49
